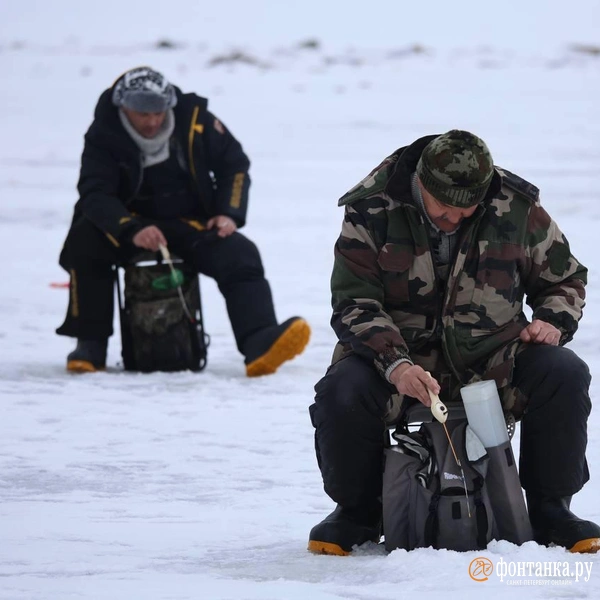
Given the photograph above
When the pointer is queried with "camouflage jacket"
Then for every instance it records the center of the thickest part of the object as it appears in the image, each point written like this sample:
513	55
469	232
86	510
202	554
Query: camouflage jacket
389	303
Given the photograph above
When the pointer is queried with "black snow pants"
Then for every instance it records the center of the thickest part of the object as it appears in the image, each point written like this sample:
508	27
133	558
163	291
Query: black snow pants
233	262
352	401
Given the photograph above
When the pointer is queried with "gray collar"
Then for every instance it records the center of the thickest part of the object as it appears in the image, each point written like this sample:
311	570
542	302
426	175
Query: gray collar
154	150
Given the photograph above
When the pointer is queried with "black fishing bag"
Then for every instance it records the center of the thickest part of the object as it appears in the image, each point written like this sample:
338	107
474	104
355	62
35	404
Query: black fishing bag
428	499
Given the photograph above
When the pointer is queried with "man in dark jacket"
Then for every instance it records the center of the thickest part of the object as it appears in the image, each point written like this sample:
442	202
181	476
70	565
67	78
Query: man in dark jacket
439	249
159	169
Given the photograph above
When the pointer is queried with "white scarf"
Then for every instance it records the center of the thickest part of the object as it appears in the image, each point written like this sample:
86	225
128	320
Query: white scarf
154	150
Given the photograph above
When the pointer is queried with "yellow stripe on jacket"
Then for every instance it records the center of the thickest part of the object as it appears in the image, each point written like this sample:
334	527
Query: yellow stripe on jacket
236	192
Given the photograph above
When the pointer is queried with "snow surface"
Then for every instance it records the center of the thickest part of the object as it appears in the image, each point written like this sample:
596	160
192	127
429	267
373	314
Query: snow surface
192	486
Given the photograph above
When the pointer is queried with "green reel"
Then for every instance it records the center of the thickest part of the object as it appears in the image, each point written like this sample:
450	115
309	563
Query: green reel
168	282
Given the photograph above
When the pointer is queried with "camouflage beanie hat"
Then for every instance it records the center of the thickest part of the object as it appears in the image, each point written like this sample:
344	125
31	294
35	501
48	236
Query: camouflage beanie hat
456	168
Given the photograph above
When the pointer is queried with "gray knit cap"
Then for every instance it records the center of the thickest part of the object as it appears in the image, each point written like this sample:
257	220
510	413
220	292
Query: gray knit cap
144	90
456	168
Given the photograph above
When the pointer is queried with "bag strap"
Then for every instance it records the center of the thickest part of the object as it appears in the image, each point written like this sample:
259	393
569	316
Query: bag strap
481	518
432	523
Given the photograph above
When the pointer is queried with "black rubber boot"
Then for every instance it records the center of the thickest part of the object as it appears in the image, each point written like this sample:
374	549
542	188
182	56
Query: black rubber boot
345	528
89	356
269	348
554	523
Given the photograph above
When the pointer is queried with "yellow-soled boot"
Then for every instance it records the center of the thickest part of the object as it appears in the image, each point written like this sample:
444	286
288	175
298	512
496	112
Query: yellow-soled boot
554	523
88	357
268	349
343	529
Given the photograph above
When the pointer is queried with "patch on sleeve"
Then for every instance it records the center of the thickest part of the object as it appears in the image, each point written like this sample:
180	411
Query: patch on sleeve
520	185
558	259
219	126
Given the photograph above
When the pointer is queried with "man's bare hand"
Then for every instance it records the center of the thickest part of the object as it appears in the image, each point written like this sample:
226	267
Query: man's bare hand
412	380
149	238
225	225
540	332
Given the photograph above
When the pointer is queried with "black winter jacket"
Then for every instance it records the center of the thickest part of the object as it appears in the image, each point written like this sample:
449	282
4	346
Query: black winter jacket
111	167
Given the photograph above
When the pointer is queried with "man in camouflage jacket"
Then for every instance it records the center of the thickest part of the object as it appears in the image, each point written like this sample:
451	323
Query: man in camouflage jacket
159	169
438	250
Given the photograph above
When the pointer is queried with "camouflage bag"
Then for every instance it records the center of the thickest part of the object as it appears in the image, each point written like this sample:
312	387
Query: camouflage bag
156	332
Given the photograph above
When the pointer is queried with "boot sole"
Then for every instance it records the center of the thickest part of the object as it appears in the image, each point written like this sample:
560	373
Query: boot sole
589	546
82	366
289	344
326	548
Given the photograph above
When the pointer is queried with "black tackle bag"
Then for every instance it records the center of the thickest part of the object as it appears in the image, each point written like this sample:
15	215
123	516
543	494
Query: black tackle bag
428	499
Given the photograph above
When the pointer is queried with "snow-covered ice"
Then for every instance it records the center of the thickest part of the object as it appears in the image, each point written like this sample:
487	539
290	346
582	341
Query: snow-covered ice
190	486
